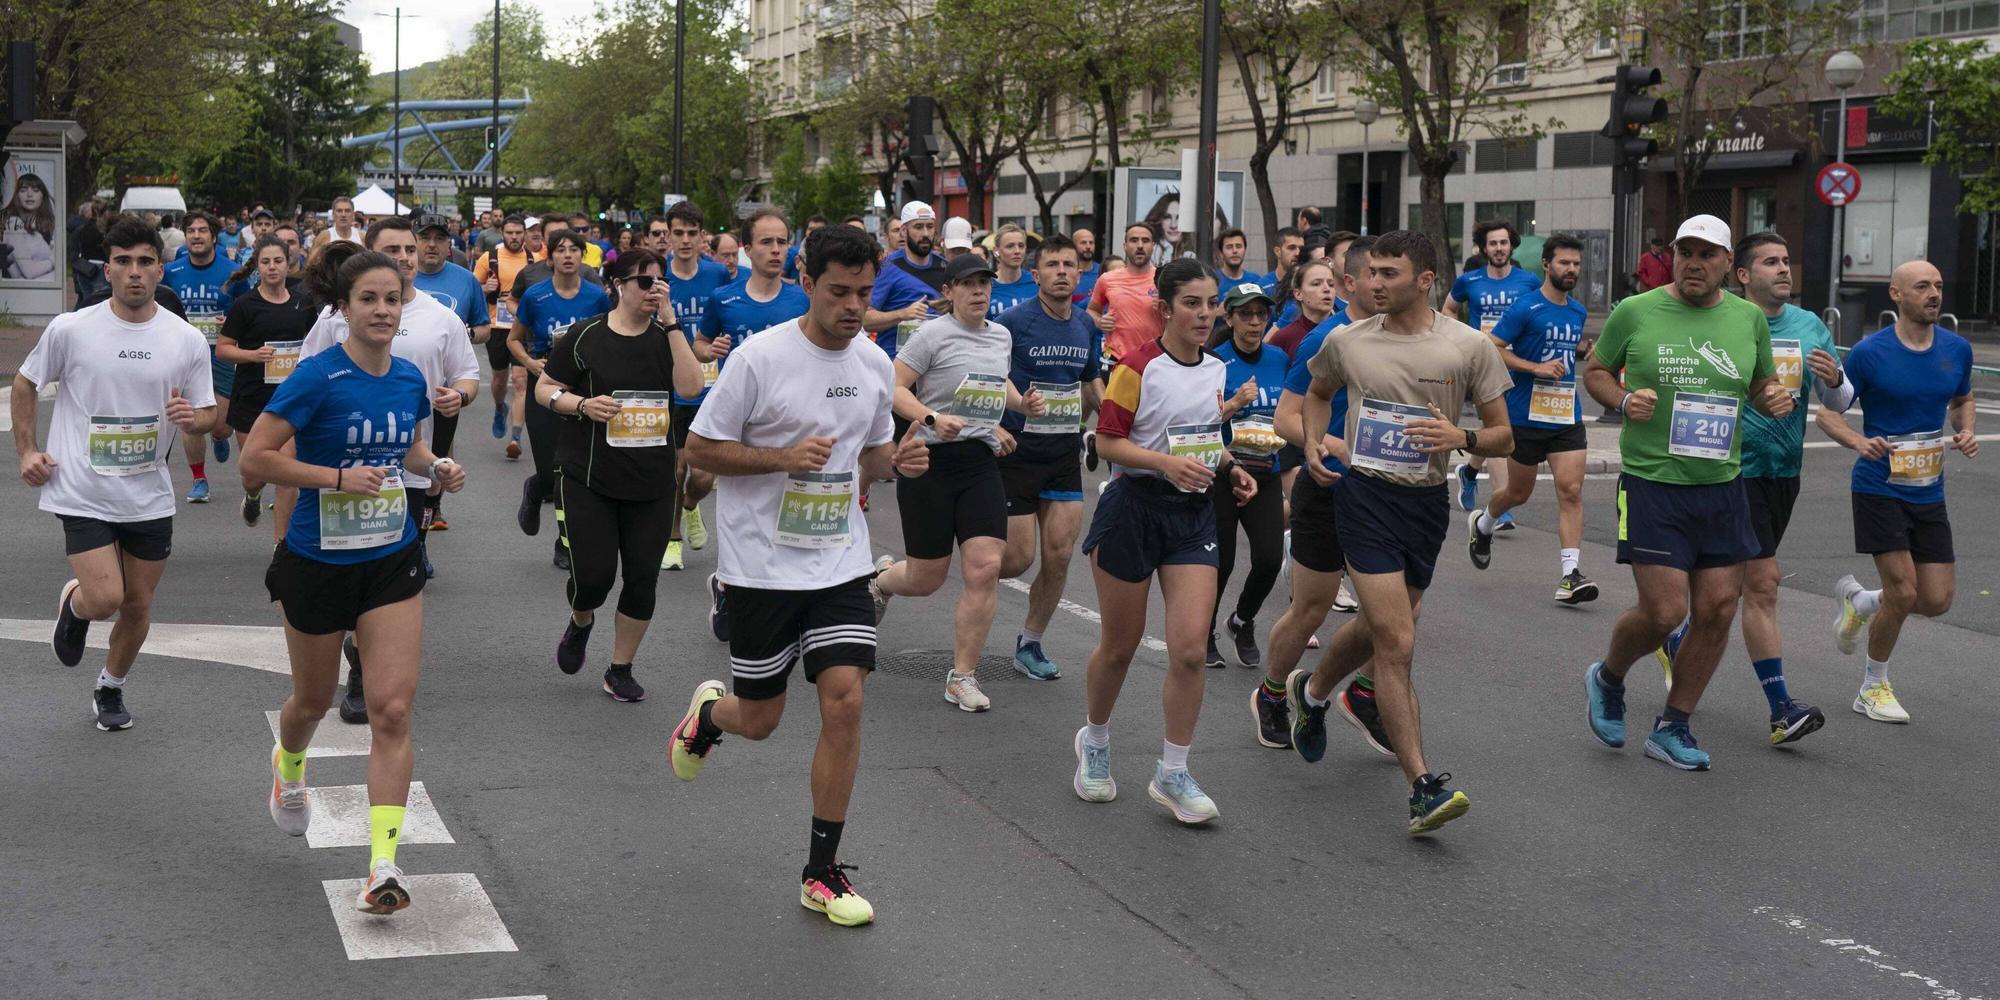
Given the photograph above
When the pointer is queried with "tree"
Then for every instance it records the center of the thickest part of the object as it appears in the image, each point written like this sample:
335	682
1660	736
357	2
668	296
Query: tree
1043	146
841	187
792	187
1277	46
1956	84
467	74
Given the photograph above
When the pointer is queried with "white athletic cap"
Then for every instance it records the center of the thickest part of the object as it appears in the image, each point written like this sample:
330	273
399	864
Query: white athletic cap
531	222
957	234
914	210
1706	228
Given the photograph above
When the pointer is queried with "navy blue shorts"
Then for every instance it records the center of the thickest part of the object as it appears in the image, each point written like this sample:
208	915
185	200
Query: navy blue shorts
1686	527
1385	527
1316	526
1143	523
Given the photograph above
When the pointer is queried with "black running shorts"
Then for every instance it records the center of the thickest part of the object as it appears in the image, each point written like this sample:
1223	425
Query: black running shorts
770	630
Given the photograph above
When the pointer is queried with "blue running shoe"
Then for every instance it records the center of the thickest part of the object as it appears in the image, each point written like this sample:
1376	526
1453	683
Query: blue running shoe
1795	721
1606	708
1432	805
1032	663
1468	487
499	419
1505	522
1308	722
1673	743
222	450
199	492
1669	649
1178	792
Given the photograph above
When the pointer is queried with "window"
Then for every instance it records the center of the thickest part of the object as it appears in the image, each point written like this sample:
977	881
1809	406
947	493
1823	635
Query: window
1012	184
1520	213
1605	44
1889	222
1738	30
1502	155
1897	20
1454	227
1324	91
1512	54
1582	149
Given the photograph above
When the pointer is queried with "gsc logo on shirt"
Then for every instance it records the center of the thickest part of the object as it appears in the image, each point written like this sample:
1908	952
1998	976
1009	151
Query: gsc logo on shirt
842	392
137	355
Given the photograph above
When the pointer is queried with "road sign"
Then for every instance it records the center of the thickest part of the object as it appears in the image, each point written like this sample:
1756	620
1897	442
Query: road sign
482	203
1838	183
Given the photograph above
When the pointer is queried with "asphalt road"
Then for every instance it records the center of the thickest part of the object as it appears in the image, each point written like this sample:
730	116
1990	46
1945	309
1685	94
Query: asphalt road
1856	864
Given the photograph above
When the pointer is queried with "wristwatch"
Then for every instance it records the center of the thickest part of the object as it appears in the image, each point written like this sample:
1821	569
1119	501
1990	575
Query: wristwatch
1471	439
930	419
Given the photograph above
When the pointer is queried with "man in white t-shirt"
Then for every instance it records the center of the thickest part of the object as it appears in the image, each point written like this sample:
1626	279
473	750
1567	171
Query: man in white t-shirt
131	376
797	422
344	227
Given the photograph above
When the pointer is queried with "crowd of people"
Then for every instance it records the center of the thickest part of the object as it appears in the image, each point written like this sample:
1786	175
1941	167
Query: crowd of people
1316	409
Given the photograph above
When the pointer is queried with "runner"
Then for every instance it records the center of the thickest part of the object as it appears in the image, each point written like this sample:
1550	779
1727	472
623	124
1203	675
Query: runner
344	226
1125	303
199	278
1086	251
1692	356
1161	428
1314	297
545	311
1011	284
1256	375
1230	249
456	289
1539	335
1914	383
728	252
1056	350
1479	297
128	376
1284	259
349	561
910	282
496	270
800	414
951	381
262	336
692	279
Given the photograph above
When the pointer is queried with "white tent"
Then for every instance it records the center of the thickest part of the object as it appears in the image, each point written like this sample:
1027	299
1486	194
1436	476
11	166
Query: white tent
376	201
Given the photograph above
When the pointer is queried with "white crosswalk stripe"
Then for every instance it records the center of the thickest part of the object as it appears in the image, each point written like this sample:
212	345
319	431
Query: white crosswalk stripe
448	915
333	738
340	817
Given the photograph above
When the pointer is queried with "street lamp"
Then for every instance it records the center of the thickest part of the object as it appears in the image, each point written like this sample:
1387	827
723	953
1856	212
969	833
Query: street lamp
1366	112
1843	71
396	115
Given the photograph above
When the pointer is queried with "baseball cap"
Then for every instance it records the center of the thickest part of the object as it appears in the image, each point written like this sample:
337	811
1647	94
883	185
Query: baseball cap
957	234
1243	294
914	210
262	213
967	265
1706	228
430	220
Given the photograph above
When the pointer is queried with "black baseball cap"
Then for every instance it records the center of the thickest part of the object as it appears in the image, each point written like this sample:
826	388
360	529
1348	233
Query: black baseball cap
262	213
966	265
430	220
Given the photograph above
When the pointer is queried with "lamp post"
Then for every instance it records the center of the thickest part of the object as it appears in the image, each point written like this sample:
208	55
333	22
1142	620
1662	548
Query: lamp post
1365	112
493	155
1843	71
680	69
396	114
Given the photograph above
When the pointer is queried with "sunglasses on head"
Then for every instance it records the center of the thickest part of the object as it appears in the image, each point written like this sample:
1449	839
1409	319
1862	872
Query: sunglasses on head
646	281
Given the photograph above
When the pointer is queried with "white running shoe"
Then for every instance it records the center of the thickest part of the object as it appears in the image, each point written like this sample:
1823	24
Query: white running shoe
1847	625
385	893
291	807
876	593
1344	601
1878	701
1093	781
963	690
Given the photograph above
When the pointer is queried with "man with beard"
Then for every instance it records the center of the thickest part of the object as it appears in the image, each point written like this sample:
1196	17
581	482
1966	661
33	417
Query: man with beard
1086	255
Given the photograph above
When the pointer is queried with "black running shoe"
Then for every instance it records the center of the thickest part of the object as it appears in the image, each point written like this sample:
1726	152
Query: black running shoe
529	516
1090	452
562	555
570	648
1308	720
252	508
1358	707
618	683
71	628
1274	719
1574	588
108	704
354	704
1214	660
718	609
1244	636
1478	546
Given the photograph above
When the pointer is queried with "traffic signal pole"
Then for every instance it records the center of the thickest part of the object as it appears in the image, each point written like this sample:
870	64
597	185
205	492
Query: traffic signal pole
1633	107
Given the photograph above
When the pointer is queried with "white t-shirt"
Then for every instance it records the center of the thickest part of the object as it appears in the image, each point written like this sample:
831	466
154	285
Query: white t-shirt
109	368
777	390
432	337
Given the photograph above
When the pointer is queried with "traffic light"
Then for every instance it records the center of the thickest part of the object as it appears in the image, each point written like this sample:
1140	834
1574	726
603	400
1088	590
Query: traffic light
492	138
1632	109
923	148
21	82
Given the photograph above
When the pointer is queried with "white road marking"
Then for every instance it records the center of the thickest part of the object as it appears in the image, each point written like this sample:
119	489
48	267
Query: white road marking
447	915
538	996
340	817
1084	613
333	738
1865	954
261	647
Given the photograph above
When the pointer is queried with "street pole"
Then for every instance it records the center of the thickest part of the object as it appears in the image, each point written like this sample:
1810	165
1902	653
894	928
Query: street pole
680	66
1839	212
1204	183
496	104
1366	112
396	117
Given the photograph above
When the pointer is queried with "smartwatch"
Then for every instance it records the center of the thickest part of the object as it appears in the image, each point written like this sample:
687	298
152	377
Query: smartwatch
557	395
930	419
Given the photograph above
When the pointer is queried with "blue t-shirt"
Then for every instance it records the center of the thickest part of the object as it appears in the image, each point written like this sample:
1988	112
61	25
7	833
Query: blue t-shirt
1298	379
201	288
1270	368
896	288
1086	280
792	261
457	290
346	417
1538	330
1487	297
1047	349
734	312
690	297
1902	391
548	315
1007	295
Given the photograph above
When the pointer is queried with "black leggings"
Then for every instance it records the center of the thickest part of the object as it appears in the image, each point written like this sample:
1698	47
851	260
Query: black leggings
541	424
1263	519
602	533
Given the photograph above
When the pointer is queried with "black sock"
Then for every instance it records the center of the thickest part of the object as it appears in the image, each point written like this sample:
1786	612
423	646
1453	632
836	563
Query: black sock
1672	714
825	843
705	726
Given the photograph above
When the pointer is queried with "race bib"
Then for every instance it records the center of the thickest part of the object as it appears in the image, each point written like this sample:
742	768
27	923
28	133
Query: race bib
710	371
1703	426
813	512
1488	322
907	329
1916	460
1065	409
1791	361
1379	441
1202	442
210	326
124	446
644	420
980	400
1552	402
284	358
503	314
1253	434
349	521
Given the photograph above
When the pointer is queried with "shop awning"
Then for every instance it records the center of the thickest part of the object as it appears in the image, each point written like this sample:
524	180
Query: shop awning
1767	159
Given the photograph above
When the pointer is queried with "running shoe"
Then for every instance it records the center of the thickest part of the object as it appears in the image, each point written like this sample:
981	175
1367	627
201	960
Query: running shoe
1093	781
575	641
718	609
1673	743
1243	640
107	704
1213	658
693	529
1795	721
1575	588
1848	624
385	893
618	683
1308	722
1467	494
1504	522
514	449
1032	663
687	749
71	629
252	508
671	560
1477	546
291	807
1432	805
880	596
1877	701
1358	707
561	559
353	704
222	450
1605	707
1090	451
529	514
198	493
1669	648
1344	603
963	690
438	523
827	890
1178	792
499	419
1274	719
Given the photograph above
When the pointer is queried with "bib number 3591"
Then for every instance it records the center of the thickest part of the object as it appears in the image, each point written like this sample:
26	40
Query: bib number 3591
644	420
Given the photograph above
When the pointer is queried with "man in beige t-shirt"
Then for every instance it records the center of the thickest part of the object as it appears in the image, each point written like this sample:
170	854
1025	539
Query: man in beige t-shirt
1405	369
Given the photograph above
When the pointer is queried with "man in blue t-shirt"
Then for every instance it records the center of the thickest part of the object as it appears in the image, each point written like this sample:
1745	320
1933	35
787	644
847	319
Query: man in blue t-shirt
813	224
692	278
758	301
1914	383
1230	250
1088	267
1479	297
199	277
453	286
547	309
910	282
1012	285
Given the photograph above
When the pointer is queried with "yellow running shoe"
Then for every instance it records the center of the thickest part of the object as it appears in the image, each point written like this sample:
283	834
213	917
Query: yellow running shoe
672	559
1666	666
828	891
687	749
693	529
1848	624
1877	701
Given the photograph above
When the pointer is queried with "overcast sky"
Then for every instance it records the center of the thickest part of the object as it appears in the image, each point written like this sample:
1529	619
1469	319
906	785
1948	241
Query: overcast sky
431	30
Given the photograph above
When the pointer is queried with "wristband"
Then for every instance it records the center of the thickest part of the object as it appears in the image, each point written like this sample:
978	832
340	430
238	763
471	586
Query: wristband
1621	402
336	481
464	399
555	397
1471	440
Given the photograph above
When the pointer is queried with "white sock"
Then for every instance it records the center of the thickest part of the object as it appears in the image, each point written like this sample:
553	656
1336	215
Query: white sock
1173	757
1312	701
105	680
1027	637
1487	523
1868	602
1572	558
1878	672
1095	735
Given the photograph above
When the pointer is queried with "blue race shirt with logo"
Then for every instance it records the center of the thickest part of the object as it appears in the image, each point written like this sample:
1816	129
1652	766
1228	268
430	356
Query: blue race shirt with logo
1902	391
1486	298
1538	330
1010	294
691	298
457	290
896	288
1269	367
1086	280
1047	349
734	312
201	288
548	315
346	417
1298	379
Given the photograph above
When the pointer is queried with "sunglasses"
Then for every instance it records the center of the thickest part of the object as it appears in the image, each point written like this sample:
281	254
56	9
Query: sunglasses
646	281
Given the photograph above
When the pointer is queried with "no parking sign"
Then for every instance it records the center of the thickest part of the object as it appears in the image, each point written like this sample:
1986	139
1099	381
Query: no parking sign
1838	183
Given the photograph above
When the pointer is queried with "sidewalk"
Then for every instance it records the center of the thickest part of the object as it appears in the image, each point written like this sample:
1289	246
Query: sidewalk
15	343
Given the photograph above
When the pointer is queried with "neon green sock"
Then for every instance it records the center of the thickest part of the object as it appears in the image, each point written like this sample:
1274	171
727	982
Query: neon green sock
385	826
1275	689
1361	681
291	766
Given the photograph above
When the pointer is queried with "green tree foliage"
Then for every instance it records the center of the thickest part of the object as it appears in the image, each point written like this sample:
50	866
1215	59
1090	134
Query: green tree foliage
1277	47
793	189
842	189
1958	85
467	74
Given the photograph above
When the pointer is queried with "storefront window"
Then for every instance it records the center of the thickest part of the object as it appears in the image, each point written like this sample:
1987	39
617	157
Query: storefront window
1890	222
1760	210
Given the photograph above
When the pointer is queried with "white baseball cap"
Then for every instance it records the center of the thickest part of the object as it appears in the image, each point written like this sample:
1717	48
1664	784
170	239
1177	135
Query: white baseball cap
957	234
914	210
1706	228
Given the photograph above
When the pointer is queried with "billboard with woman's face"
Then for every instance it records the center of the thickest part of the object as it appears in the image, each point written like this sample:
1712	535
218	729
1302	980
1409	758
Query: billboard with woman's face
1153	195
31	223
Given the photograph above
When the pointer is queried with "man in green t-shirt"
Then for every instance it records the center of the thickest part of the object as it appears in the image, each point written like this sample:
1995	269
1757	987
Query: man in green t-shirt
1693	357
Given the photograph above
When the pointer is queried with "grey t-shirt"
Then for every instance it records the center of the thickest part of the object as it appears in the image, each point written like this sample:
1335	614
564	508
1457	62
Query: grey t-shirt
948	357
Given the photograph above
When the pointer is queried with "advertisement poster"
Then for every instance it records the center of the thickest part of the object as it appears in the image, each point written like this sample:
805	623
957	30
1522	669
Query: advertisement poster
1153	194
31	222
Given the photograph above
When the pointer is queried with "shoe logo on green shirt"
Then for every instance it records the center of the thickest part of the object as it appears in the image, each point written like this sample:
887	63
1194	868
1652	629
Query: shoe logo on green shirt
1716	358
